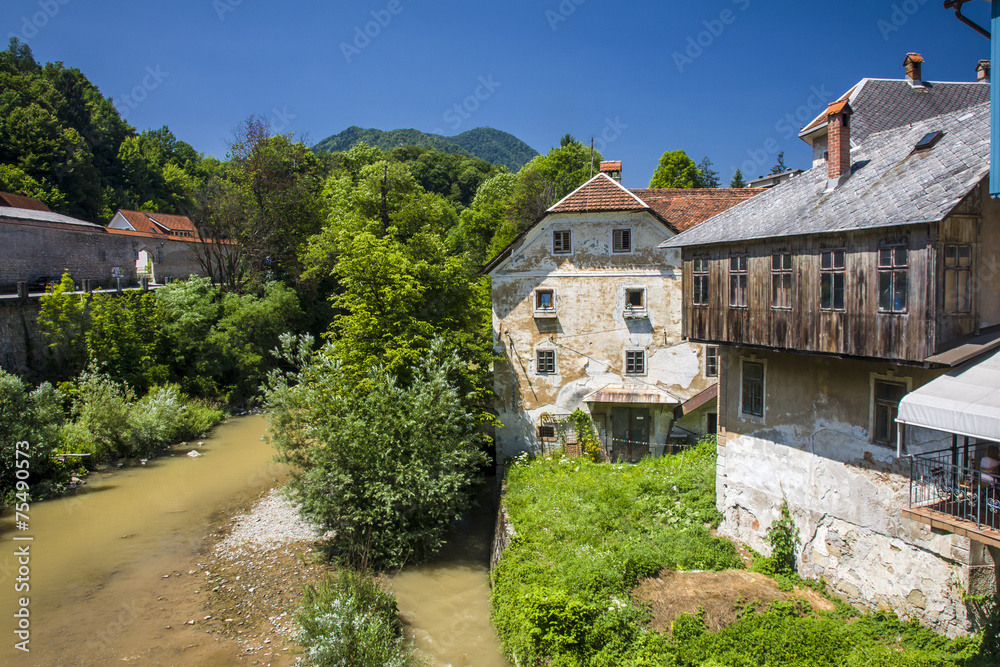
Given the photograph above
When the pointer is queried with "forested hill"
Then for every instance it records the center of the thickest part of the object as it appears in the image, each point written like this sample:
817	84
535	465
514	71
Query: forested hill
485	143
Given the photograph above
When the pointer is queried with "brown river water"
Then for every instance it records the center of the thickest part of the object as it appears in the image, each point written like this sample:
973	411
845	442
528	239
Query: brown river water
105	564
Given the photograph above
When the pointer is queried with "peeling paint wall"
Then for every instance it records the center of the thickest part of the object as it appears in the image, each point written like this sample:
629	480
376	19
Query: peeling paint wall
846	494
589	332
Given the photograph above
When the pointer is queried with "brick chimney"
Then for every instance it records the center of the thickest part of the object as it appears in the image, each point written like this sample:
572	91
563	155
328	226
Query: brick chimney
838	117
983	71
913	64
612	168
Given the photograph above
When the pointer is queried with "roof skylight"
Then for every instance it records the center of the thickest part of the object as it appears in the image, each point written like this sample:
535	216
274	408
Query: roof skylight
929	140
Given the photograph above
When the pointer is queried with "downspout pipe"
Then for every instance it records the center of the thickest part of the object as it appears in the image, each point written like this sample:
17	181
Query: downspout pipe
957	6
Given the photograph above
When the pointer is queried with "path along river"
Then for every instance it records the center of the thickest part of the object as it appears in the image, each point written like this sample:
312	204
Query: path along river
105	565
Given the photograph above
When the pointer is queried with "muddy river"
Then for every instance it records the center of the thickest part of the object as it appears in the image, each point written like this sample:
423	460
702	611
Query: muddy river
105	565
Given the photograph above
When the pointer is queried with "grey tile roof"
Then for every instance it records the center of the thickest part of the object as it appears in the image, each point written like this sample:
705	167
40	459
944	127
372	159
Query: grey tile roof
44	216
891	185
883	104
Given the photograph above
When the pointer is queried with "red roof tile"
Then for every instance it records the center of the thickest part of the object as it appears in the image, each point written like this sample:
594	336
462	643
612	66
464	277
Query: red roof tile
20	201
601	193
160	223
685	208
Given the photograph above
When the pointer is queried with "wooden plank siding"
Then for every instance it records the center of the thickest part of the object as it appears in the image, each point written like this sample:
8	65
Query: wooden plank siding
860	330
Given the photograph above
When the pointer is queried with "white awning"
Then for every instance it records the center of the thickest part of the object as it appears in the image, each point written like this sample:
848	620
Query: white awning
964	401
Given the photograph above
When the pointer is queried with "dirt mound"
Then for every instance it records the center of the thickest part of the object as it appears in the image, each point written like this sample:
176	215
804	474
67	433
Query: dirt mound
720	594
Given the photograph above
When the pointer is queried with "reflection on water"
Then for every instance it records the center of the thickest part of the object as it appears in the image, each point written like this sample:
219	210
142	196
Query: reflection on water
446	603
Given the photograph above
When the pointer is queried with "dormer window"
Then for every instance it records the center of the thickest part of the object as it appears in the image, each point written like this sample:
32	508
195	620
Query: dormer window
562	242
621	241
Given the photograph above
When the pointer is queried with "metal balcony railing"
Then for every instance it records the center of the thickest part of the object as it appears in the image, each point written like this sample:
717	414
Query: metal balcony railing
940	484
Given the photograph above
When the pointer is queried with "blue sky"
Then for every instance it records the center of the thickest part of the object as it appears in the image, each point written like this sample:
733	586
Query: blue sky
722	78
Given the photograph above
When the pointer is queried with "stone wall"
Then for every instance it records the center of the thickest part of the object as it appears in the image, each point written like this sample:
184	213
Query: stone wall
846	494
22	346
29	251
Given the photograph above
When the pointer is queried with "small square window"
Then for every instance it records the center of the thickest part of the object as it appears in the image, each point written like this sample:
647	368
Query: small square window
547	431
635	362
562	242
546	362
712	361
621	240
545	299
635	298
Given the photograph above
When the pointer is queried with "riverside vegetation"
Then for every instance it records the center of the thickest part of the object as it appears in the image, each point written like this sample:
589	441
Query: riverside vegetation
587	533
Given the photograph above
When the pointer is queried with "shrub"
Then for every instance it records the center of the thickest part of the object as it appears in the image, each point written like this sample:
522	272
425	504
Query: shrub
33	417
156	420
348	621
783	537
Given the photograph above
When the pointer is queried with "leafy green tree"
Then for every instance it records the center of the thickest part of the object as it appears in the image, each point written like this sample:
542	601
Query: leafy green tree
124	338
676	170
548	178
385	466
33	418
480	222
63	320
738	181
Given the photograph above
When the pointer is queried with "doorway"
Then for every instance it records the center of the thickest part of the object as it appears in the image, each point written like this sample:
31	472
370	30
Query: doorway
629	434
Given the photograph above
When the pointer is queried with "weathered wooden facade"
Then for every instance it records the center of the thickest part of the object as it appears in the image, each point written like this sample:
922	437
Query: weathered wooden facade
826	293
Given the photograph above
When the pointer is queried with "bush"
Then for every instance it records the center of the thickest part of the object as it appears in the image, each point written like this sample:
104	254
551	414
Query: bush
33	417
348	621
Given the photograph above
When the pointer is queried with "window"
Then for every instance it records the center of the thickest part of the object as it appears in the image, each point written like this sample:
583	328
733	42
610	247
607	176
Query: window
831	280
711	361
957	278
752	397
887	398
635	298
635	362
781	281
738	281
545	299
892	283
547	431
562	242
929	140
700	272
103	256
621	240
546	362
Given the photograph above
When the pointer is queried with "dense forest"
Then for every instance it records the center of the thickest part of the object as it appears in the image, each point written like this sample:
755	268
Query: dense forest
485	143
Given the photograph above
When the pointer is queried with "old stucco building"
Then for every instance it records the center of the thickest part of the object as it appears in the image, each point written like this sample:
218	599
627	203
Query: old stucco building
587	314
832	297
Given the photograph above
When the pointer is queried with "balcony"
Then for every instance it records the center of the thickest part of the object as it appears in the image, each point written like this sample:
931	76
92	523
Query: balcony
953	498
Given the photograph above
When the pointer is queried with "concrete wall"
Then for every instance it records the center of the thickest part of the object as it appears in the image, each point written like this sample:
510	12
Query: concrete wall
29	251
846	494
590	332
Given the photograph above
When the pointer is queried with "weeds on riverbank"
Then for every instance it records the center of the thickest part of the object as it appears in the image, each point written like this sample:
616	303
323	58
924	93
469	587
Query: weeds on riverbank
587	533
349	621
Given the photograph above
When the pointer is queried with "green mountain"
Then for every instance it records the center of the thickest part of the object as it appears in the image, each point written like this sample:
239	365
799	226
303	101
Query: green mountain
485	143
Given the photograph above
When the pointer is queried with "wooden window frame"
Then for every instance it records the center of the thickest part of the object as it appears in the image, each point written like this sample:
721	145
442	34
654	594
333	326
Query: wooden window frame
711	361
739	278
890	378
889	267
617	244
782	294
635	362
958	273
562	247
543	310
546	362
746	411
831	273
700	282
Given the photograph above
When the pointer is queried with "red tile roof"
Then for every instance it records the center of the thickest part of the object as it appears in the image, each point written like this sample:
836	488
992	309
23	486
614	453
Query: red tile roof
913	58
20	201
685	208
611	165
601	193
160	223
